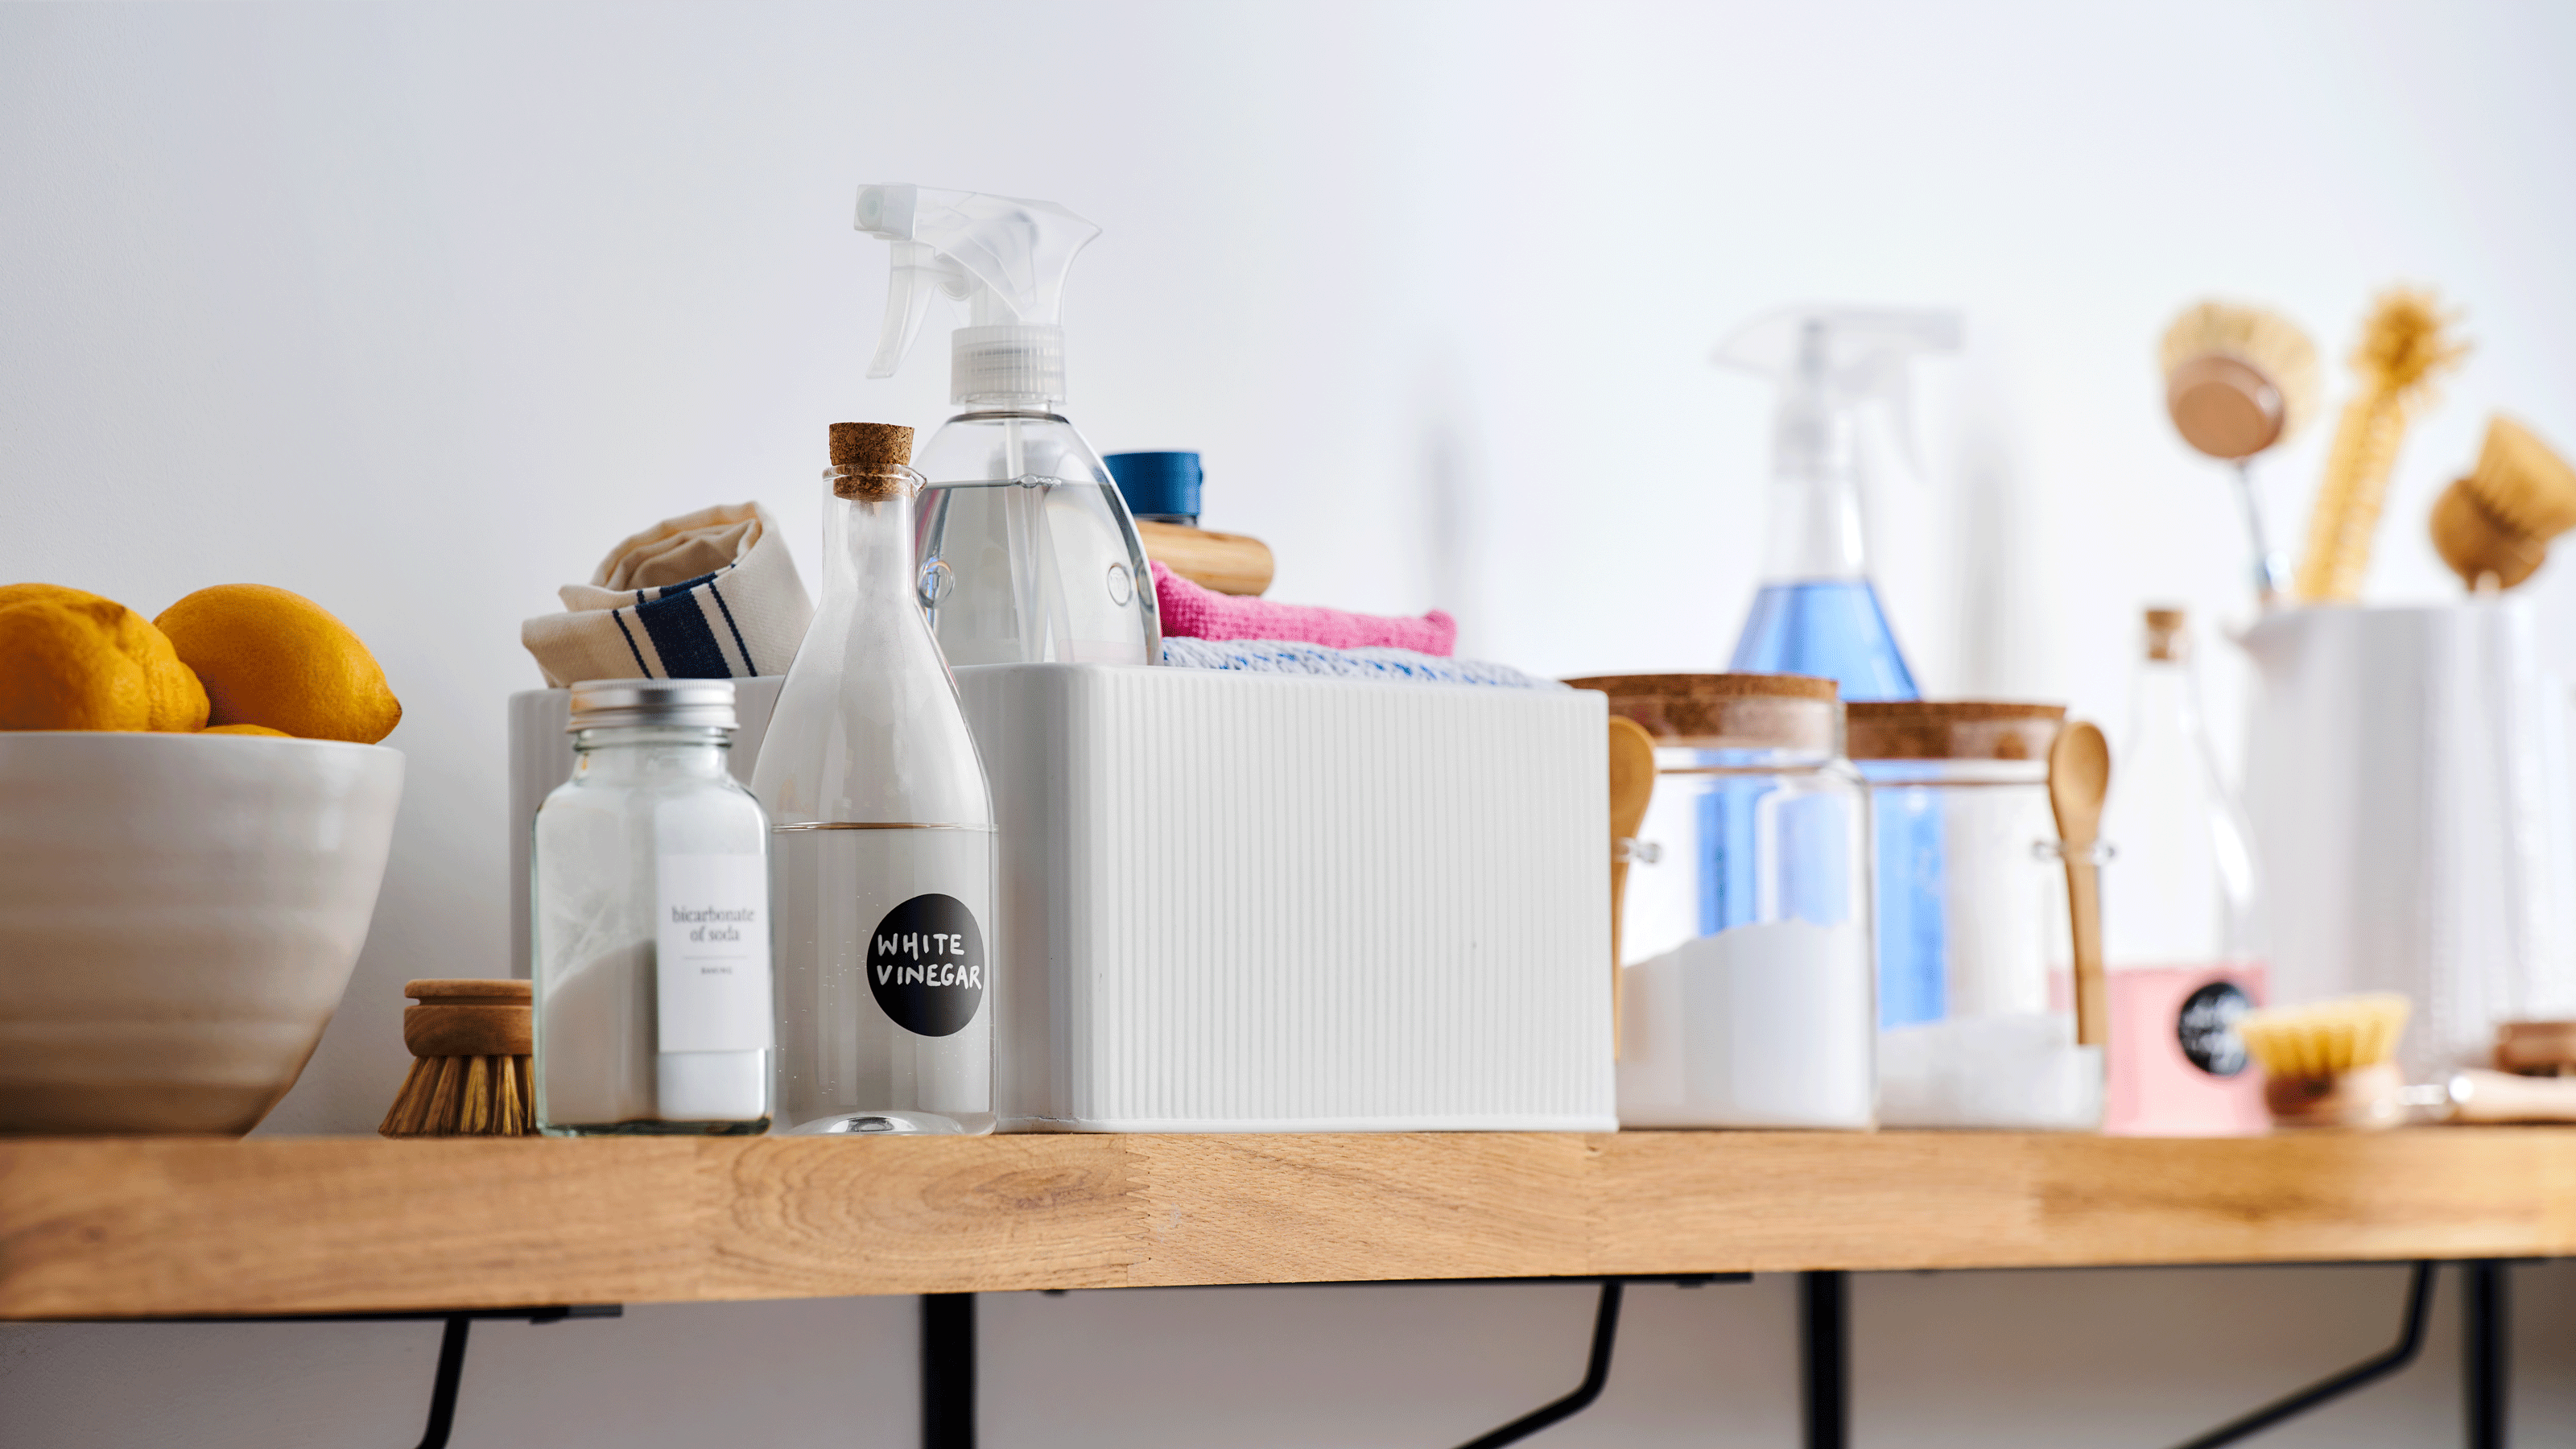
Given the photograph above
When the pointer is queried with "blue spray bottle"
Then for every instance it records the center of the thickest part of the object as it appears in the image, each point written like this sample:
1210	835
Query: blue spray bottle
1818	613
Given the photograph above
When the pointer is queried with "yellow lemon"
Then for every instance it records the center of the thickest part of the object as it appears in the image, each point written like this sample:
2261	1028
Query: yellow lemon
248	730
269	657
75	661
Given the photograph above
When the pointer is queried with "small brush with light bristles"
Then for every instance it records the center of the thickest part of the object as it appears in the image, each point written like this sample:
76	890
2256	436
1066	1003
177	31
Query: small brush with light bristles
2334	1064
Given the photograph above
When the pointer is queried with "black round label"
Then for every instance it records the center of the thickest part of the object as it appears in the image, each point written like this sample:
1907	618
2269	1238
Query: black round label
926	965
2206	1027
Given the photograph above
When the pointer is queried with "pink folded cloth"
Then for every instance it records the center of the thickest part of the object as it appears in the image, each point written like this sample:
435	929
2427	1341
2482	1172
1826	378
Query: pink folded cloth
1192	612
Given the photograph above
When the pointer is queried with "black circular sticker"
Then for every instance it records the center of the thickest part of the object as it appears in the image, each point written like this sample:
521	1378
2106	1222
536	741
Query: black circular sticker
926	965
2206	1027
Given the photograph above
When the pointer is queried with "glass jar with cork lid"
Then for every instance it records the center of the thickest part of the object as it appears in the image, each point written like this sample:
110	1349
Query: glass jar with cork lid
1745	988
1976	997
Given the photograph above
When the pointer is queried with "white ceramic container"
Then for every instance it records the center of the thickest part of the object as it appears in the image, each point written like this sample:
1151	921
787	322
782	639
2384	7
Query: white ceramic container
2406	770
179	915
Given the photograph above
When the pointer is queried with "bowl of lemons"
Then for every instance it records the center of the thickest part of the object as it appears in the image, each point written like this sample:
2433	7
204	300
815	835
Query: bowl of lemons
194	819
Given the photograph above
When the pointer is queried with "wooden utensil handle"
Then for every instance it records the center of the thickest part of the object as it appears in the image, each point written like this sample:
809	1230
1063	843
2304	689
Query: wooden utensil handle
2084	912
2484	1096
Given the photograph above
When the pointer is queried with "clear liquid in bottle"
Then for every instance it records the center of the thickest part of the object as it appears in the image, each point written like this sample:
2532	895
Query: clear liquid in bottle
882	838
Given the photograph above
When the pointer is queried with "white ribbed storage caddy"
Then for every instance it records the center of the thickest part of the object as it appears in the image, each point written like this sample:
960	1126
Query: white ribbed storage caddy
1249	903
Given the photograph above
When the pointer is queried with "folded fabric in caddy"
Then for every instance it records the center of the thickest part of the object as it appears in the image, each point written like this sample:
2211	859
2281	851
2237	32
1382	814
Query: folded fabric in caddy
1192	612
1403	666
707	595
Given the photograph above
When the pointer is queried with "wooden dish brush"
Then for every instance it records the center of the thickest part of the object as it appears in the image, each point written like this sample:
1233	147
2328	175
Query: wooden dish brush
2406	342
469	1078
2238	381
2495	524
2334	1065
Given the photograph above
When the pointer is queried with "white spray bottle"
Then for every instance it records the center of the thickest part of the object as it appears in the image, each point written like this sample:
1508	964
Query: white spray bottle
1818	613
1026	551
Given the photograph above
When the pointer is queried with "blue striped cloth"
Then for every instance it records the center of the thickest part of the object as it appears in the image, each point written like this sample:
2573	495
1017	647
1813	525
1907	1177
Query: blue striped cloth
711	595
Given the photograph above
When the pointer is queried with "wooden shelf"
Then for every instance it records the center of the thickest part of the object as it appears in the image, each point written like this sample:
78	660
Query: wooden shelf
144	1228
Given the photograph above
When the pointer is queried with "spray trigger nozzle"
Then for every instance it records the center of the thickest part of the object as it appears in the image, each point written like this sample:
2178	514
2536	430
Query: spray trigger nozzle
1006	257
1831	361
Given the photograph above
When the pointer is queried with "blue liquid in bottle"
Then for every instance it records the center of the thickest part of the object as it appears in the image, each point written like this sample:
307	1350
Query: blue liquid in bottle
1835	629
1832	629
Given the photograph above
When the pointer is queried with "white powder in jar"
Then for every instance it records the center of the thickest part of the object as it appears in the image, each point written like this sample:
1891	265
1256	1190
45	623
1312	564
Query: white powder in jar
1770	1024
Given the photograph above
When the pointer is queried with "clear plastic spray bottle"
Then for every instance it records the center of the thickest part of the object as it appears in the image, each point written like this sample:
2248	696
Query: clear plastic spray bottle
1818	613
1027	553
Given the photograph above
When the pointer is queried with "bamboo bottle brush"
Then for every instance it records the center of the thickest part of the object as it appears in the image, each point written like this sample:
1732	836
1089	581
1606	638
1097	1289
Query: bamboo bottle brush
469	1078
2493	527
2406	343
2240	381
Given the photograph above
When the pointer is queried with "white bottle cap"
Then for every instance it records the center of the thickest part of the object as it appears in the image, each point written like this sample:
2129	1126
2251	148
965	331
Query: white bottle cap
1016	361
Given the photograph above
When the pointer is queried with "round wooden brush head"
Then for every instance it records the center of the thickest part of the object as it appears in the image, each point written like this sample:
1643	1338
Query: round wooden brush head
469	1018
2477	544
2499	520
2237	379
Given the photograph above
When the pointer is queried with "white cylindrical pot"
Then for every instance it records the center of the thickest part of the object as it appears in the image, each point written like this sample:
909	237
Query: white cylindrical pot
2406	773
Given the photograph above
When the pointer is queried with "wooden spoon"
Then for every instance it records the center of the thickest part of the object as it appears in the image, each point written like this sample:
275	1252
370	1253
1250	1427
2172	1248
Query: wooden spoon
2079	775
1632	784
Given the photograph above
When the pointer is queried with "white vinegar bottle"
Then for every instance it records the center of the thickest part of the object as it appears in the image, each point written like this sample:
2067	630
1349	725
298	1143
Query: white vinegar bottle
2181	915
882	836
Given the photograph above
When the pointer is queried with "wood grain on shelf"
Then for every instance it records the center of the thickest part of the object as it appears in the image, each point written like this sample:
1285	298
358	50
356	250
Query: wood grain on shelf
142	1228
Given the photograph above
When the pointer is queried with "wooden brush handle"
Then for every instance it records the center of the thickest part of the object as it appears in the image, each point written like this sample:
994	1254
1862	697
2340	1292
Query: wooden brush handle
1229	563
2484	1096
442	1029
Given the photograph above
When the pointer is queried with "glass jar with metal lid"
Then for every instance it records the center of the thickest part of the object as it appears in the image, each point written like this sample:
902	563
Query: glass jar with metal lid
1976	1006
649	911
1746	985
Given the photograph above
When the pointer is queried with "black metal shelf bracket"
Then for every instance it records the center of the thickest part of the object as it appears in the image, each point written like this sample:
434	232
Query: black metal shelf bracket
2485	1335
455	1323
1824	1358
948	1371
2410	1341
1596	1376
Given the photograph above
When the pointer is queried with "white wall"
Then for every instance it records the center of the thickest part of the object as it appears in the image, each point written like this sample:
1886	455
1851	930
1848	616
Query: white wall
416	309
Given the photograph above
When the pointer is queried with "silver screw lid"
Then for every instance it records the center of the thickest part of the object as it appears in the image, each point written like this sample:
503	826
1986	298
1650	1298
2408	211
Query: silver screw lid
613	703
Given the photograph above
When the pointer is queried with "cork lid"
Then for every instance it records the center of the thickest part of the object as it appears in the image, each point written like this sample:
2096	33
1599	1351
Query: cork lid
1951	729
1728	711
2168	637
871	462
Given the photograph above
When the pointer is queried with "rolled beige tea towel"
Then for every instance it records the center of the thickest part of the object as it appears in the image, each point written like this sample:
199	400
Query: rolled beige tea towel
710	595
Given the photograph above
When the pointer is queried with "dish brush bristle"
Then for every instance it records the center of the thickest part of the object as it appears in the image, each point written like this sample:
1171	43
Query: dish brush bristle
2270	344
482	1096
2327	1039
2405	343
2523	483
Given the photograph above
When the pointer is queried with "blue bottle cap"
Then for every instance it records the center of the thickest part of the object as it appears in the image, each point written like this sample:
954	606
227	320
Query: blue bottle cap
1158	485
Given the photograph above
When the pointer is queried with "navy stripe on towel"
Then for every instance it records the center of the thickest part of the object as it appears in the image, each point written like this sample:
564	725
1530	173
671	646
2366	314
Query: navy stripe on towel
748	668
680	634
642	669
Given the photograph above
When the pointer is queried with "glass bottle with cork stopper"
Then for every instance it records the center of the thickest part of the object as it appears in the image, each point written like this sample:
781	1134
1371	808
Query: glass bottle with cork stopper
2181	914
883	835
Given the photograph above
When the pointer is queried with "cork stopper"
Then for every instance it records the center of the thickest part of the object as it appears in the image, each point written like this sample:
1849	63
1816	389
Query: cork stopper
2166	636
871	462
1951	729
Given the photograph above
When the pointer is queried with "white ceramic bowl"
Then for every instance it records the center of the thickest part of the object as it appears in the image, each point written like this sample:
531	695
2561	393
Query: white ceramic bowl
178	918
